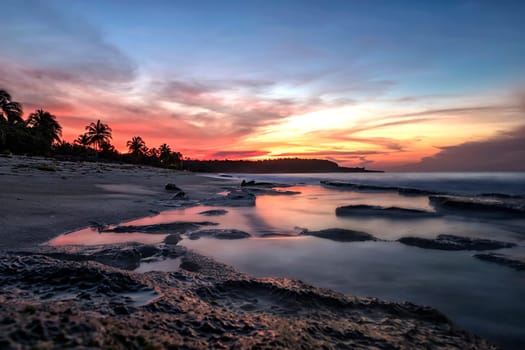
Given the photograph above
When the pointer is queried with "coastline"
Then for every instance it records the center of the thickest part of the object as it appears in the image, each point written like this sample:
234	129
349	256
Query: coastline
44	197
191	307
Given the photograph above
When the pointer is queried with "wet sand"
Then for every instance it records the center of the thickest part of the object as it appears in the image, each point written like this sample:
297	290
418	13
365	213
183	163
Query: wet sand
43	197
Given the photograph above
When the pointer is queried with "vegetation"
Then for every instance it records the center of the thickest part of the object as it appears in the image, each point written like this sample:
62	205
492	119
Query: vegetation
41	134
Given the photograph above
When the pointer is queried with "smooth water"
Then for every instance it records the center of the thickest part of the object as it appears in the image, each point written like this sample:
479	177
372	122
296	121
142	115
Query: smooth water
482	297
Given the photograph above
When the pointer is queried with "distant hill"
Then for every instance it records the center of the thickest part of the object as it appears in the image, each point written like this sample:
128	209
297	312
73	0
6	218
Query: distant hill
294	165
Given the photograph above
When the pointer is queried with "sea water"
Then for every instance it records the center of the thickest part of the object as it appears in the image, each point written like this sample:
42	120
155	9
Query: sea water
482	297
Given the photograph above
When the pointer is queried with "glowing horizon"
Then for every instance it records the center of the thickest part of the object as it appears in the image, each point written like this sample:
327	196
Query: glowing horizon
408	86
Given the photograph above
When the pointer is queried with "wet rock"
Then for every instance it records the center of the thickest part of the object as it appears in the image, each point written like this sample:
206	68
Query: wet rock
173	239
215	307
356	187
252	183
180	196
502	260
215	212
389	212
404	191
341	235
172	187
220	234
451	242
476	205
269	191
275	235
190	266
232	199
172	227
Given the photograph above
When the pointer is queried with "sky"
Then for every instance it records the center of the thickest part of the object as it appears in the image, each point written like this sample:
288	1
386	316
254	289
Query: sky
392	85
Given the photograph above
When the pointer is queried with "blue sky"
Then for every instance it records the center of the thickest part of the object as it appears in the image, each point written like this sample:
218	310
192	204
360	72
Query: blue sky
249	67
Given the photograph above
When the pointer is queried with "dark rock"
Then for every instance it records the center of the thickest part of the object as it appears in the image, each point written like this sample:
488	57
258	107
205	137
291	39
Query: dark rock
252	183
220	234
341	235
502	260
362	210
269	191
180	196
172	227
232	199
216	308
271	235
216	212
172	187
357	187
172	239
451	242
190	266
476	205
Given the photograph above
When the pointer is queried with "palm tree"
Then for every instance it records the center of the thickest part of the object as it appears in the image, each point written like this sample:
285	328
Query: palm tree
98	133
136	146
165	153
10	111
46	126
82	140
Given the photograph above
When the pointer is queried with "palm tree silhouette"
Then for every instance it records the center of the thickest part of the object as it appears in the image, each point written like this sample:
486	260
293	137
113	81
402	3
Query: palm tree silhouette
45	125
82	140
164	153
98	134
10	111
136	146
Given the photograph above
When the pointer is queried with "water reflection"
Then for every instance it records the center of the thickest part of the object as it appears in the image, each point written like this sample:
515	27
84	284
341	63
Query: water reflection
480	296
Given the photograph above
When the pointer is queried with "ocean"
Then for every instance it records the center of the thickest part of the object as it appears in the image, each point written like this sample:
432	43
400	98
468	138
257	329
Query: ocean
482	297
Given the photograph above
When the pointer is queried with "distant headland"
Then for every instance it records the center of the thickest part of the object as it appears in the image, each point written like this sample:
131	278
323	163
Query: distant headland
285	165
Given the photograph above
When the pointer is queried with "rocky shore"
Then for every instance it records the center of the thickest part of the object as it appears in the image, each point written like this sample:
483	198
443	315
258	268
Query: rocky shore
70	297
106	297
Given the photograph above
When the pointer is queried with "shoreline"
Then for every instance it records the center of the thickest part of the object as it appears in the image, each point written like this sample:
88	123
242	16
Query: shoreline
43	197
203	297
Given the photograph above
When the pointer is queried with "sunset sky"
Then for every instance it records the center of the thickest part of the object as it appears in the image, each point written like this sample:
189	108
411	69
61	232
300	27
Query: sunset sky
406	85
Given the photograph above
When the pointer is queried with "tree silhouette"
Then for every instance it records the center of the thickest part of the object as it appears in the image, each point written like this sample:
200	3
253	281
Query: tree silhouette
136	146
10	111
82	140
98	133
45	126
164	153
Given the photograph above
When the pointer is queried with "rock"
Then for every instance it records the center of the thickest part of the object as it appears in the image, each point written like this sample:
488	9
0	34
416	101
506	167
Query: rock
362	210
172	227
220	234
502	260
180	196
54	303
341	235
190	266
216	212
172	239
404	191
476	205
232	199
451	242
269	191
172	187
252	183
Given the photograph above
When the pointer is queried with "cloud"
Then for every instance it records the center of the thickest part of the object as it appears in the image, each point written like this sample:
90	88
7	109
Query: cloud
238	154
52	47
504	152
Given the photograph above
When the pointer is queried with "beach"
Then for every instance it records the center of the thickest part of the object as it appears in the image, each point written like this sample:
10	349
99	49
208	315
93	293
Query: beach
103	255
43	197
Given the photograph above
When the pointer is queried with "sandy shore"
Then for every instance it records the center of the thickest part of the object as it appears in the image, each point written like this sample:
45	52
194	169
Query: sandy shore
42	198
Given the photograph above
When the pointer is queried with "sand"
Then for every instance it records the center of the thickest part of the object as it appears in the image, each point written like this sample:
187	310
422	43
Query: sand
42	197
